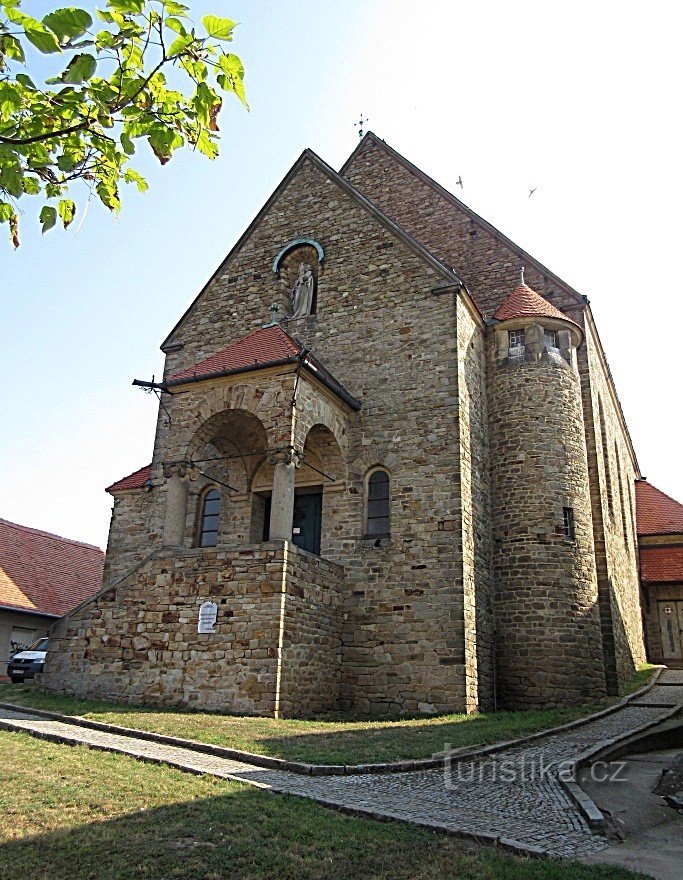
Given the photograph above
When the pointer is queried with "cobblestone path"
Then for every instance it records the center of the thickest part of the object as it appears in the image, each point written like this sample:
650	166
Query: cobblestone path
512	795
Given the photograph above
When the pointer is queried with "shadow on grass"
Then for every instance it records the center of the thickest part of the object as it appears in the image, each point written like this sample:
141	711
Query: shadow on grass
252	835
328	739
331	739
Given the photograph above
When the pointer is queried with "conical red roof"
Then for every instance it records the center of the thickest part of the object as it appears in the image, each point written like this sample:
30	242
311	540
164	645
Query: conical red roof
524	302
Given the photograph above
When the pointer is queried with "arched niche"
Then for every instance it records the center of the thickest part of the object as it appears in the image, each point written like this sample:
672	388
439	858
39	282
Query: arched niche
301	259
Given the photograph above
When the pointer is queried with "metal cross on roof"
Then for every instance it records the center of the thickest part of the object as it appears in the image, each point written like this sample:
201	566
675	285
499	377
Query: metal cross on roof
360	124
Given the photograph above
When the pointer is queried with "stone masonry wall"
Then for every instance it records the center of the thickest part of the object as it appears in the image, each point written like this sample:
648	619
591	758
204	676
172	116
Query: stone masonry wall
311	636
131	539
549	647
475	519
138	642
612	474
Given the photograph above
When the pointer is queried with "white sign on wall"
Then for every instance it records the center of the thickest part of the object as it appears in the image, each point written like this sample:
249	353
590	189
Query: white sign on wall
208	611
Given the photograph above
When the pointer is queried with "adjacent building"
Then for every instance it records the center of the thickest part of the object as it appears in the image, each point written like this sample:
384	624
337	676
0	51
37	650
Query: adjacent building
660	536
42	576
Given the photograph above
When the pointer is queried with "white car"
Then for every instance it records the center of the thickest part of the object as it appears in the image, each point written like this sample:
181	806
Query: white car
26	663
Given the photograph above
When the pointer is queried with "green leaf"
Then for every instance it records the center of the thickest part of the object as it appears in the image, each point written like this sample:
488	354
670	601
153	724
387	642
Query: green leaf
206	146
36	33
80	68
66	163
132	7
180	44
48	217
6	211
10	47
232	77
11	180
26	81
127	144
109	196
175	24
68	23
66	210
219	28
10	99
31	186
131	176
176	8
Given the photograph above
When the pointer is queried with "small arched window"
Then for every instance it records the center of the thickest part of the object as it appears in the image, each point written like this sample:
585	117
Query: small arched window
377	522
208	526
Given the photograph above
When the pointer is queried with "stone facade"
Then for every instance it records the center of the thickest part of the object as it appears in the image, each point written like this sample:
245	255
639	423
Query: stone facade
472	598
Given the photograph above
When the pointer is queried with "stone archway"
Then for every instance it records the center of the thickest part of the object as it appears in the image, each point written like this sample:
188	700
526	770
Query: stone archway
318	482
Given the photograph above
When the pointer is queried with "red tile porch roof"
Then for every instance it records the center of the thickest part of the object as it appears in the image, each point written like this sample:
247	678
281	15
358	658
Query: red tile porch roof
262	347
136	480
656	512
266	347
43	573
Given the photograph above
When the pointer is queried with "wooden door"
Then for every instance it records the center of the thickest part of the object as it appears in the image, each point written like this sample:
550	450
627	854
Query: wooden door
671	624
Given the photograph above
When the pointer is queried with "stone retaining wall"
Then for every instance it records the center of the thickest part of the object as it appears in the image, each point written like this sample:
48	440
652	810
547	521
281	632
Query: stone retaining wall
138	642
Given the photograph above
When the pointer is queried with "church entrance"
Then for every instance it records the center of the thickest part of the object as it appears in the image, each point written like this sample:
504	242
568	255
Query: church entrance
307	525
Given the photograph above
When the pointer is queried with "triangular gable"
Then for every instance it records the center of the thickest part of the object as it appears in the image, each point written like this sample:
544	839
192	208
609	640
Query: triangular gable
447	274
425	210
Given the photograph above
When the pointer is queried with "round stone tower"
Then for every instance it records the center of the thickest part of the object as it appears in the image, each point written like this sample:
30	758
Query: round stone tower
548	640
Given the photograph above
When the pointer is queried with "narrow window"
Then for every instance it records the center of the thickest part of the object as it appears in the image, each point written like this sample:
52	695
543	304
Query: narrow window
208	532
516	338
378	504
550	339
568	522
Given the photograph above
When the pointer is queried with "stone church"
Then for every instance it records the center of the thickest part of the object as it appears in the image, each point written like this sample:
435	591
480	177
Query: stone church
390	474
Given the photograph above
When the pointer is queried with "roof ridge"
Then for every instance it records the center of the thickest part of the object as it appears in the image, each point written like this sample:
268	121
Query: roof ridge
46	534
447	271
449	196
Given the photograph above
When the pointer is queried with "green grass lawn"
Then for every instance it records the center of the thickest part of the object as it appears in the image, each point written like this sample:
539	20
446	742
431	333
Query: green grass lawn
69	813
327	740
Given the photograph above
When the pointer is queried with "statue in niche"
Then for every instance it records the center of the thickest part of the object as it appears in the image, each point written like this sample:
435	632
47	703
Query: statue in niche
303	291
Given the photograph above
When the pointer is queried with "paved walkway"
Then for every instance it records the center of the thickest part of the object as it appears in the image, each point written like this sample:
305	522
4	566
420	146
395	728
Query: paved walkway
511	796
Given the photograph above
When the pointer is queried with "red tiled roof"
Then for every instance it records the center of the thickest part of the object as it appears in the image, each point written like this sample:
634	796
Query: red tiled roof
42	572
135	480
524	302
263	346
661	564
656	513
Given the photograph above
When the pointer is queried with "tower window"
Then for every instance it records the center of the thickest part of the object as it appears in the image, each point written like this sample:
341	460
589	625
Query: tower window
378	504
568	523
550	339
516	338
211	508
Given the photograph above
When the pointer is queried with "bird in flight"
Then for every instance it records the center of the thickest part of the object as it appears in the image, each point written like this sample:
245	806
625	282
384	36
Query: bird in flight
532	191
458	182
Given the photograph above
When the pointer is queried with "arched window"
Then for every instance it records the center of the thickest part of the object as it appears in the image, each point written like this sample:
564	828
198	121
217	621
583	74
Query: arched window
377	520
208	526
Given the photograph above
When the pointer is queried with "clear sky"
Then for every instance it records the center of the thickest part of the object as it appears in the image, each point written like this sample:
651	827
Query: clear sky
581	100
